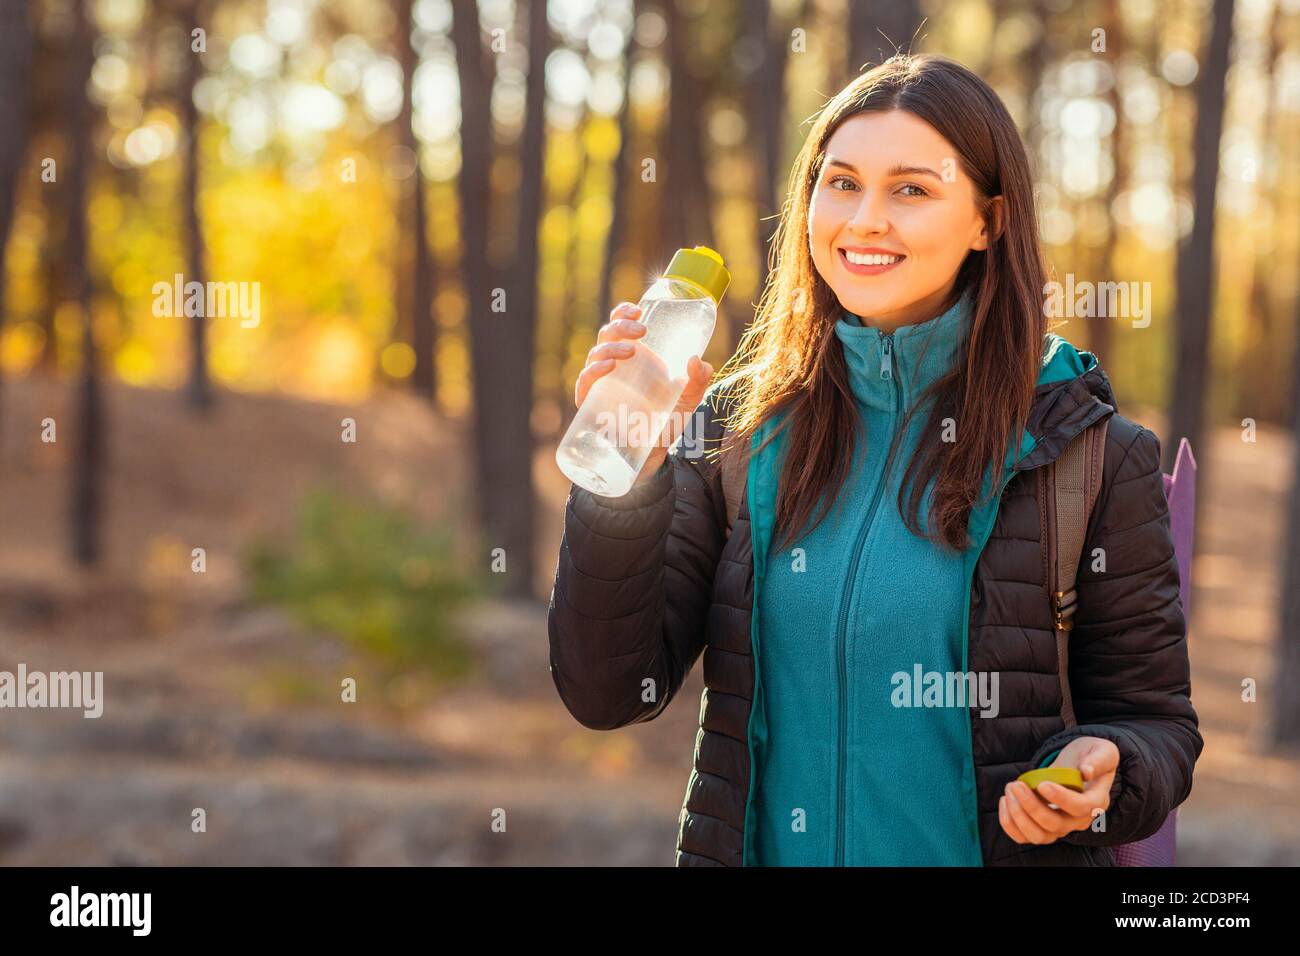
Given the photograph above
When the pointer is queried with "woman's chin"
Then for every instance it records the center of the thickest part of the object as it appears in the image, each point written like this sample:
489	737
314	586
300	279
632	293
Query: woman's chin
874	305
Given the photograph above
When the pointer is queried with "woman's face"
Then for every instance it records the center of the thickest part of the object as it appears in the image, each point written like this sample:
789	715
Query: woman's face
892	187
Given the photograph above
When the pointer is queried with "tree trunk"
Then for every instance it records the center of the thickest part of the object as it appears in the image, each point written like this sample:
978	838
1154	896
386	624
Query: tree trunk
198	389
475	72
687	219
1036	62
87	466
1099	342
1195	267
563	396
766	122
15	54
502	342
418	275
615	235
1285	730
686	196
517	444
1260	394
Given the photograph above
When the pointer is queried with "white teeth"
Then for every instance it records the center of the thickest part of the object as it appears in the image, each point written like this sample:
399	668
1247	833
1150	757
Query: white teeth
870	260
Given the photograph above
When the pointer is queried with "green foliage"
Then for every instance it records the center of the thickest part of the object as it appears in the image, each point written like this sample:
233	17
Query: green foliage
369	573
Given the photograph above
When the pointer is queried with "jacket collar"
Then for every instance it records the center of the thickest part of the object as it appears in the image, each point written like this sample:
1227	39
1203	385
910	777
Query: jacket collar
1073	391
907	360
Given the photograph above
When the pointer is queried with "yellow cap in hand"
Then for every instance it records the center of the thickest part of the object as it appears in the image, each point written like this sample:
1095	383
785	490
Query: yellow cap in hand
1067	777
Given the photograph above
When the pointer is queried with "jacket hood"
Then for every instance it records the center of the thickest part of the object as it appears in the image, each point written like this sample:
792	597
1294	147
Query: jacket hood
1073	393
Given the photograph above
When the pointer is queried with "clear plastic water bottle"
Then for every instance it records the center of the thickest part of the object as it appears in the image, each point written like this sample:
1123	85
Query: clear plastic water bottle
626	410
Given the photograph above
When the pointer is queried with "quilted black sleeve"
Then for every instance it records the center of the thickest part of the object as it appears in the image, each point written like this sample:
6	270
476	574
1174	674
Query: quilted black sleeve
1129	672
633	585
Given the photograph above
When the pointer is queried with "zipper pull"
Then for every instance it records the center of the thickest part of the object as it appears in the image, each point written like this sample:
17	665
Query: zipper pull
887	356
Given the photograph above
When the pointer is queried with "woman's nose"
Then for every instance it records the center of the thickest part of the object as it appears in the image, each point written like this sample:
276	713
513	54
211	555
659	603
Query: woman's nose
869	218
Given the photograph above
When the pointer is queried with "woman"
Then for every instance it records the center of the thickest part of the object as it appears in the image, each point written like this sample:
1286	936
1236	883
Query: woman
904	322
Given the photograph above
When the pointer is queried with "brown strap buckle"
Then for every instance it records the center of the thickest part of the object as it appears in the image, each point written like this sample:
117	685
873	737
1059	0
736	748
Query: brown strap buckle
1064	603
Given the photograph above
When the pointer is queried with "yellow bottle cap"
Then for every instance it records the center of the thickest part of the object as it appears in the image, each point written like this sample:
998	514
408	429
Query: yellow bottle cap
703	267
1065	776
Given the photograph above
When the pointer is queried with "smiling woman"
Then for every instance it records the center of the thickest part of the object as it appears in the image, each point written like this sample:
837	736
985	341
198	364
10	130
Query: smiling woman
904	321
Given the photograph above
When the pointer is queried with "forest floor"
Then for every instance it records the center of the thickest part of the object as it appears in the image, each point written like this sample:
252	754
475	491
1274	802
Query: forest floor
215	703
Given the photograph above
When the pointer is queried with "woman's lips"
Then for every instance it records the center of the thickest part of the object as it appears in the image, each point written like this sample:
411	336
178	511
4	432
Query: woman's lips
868	270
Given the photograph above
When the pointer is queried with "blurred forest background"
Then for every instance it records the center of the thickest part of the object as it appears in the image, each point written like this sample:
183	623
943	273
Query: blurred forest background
436	203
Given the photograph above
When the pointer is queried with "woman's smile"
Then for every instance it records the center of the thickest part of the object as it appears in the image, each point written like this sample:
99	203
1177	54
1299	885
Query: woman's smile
871	261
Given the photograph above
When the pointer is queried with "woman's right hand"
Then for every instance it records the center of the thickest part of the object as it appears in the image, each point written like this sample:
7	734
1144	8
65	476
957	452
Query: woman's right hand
615	341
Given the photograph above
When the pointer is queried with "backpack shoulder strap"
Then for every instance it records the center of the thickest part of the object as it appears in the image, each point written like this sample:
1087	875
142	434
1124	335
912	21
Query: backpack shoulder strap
1068	491
734	474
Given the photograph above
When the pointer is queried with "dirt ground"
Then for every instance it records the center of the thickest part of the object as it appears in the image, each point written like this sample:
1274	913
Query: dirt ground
219	705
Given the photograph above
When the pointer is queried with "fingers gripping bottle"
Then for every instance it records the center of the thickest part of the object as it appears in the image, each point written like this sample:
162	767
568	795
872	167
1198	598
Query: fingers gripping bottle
627	409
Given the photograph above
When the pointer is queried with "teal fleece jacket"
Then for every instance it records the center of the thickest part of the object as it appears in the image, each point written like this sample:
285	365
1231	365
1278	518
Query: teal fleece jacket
862	751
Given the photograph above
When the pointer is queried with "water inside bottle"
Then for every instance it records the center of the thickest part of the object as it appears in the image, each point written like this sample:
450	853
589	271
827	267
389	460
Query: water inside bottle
627	410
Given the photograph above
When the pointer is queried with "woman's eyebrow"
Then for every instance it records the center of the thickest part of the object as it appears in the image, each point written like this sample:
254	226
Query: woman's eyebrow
894	171
914	171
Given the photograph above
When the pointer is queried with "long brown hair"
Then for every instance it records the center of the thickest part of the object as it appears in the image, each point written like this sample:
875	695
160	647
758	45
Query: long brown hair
790	360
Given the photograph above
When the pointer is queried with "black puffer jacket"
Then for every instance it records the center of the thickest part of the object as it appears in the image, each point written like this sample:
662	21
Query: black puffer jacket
647	582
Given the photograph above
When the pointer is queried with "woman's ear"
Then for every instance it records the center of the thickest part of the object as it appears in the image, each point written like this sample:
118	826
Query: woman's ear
995	214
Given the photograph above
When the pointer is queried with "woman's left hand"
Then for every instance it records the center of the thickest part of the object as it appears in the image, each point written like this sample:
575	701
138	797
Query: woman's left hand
1027	817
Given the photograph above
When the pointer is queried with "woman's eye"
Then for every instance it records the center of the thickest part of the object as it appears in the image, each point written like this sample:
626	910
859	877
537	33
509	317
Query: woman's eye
848	183
919	190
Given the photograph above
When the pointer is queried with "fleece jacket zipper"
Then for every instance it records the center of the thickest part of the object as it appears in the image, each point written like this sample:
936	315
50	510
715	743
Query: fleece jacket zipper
887	373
